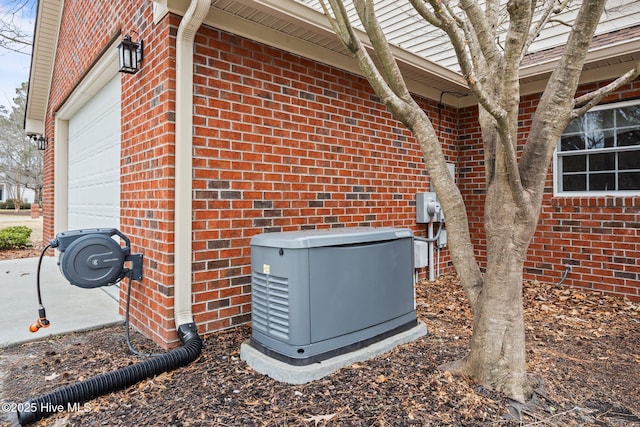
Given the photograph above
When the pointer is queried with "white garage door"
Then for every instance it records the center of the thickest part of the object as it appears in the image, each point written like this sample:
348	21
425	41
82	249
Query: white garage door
94	161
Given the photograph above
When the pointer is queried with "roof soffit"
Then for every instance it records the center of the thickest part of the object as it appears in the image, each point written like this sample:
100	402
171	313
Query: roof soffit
44	50
293	26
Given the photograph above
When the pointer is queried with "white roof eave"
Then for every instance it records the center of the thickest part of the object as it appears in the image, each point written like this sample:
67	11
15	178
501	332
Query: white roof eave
45	40
428	78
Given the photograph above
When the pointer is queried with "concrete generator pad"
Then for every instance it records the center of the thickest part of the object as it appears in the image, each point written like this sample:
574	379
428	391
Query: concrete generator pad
290	374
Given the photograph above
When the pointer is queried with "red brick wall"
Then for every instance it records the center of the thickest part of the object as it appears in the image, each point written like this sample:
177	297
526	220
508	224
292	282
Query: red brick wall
147	141
471	177
280	143
147	179
598	236
283	143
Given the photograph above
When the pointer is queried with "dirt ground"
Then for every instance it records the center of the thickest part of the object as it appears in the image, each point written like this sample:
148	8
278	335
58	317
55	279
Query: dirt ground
583	352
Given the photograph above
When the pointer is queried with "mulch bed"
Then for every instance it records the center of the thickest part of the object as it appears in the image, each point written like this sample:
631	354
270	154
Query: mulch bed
33	252
583	350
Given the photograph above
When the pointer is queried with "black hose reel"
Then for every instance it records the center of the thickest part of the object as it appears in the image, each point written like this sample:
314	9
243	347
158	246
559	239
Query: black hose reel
88	259
92	258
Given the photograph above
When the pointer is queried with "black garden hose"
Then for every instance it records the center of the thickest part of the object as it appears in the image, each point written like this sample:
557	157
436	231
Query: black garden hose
75	394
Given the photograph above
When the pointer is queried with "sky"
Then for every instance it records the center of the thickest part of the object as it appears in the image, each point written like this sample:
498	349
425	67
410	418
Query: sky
14	67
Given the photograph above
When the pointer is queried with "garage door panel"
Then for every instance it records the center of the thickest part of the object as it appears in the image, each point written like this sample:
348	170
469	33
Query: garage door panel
94	161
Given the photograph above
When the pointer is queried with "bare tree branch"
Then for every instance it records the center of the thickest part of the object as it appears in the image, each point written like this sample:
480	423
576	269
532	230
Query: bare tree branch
340	27
15	39
12	37
561	22
485	31
460	43
589	100
389	66
426	13
354	45
492	12
520	17
550	8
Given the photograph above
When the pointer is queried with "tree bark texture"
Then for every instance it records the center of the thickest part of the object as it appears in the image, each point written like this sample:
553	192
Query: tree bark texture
490	64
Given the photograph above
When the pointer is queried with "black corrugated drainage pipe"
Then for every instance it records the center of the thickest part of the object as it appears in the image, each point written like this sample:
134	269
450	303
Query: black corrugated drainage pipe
78	393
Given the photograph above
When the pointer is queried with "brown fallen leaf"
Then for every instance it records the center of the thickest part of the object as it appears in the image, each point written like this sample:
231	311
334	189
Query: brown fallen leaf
317	418
381	379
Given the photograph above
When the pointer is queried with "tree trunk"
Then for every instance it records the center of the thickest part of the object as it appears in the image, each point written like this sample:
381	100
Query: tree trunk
497	356
490	66
18	199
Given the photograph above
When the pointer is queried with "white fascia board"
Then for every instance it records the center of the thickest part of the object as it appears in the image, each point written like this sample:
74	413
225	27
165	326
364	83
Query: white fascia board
305	16
621	48
234	24
45	41
33	126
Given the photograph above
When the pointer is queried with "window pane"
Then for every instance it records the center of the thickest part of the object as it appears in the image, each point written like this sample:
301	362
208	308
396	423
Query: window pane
602	181
628	116
628	136
600	151
574	182
601	139
602	162
574	126
629	160
592	121
605	119
574	163
629	181
575	142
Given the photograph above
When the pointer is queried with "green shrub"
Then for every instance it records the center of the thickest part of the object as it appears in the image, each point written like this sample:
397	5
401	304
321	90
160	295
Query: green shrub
11	204
17	237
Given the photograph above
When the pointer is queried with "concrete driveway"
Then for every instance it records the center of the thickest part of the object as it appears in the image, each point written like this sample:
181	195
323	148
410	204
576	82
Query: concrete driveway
69	308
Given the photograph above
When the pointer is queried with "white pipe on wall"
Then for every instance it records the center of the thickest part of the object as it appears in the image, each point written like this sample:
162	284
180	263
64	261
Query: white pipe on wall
191	22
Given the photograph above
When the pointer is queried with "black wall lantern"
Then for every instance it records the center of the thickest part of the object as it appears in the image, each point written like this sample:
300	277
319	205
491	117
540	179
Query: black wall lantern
129	55
40	142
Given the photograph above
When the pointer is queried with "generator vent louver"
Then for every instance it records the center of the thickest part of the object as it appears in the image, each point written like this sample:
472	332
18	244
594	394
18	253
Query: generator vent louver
270	304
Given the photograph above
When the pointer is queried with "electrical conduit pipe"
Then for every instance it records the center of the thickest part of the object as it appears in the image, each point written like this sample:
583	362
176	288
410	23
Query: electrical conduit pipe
78	393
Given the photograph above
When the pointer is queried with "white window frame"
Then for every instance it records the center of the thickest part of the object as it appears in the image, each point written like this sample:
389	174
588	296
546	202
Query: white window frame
557	165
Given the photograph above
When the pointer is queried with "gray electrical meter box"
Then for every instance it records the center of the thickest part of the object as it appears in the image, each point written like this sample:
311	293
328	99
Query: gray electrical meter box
428	208
317	294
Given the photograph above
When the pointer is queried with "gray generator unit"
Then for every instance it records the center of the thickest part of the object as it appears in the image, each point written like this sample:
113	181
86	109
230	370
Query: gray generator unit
317	294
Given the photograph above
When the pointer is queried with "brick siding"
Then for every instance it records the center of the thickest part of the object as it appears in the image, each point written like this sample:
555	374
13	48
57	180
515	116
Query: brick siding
284	143
280	143
598	236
